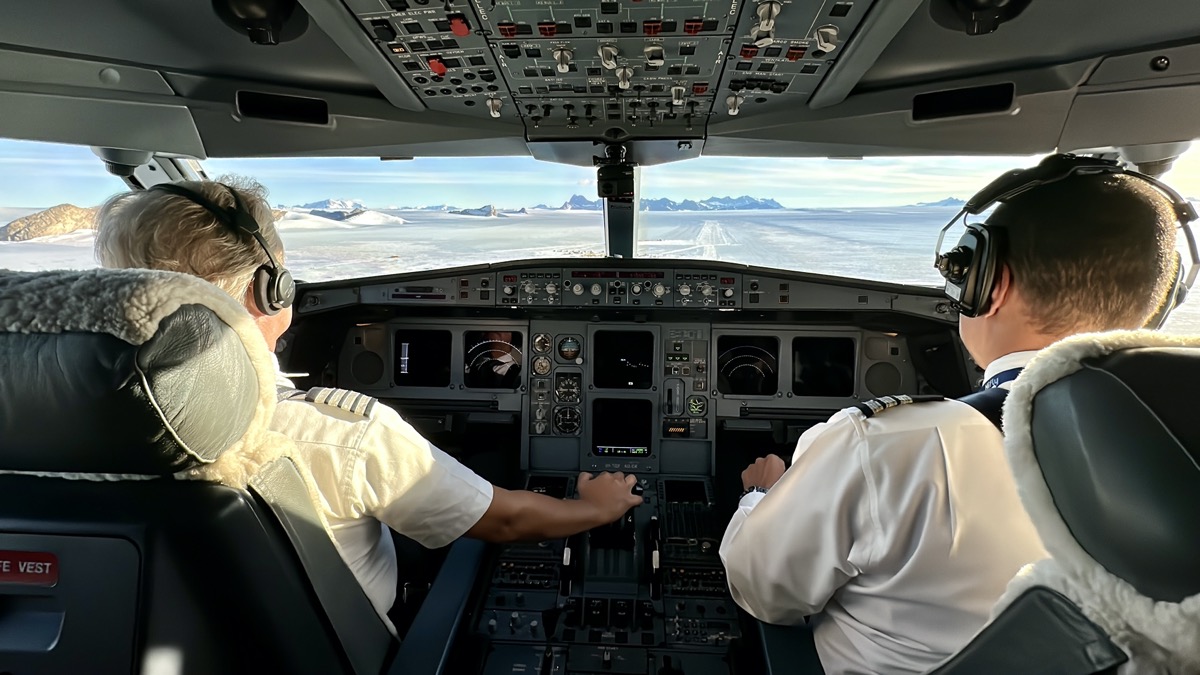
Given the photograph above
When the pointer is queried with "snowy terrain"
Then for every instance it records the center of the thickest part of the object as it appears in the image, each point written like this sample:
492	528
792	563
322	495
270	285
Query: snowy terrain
880	244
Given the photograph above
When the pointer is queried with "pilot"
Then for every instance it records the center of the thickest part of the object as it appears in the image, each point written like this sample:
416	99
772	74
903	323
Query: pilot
372	470
897	526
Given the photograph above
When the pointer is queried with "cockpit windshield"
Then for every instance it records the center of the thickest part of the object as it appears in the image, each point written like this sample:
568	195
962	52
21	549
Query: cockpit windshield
873	218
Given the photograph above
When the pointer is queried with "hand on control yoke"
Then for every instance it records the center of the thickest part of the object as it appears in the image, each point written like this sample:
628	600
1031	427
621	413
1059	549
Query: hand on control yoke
609	493
765	472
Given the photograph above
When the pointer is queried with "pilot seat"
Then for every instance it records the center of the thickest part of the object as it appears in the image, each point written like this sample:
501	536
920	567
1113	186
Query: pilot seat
150	522
1101	433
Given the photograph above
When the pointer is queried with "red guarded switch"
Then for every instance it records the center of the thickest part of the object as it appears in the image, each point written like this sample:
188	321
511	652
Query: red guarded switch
796	53
508	29
459	25
693	26
749	51
436	65
547	28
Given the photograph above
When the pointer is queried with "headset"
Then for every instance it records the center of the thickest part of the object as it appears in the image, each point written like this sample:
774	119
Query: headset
274	288
970	267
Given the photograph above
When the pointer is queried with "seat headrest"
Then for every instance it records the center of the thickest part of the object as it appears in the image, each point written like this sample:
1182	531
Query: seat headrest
126	372
1102	436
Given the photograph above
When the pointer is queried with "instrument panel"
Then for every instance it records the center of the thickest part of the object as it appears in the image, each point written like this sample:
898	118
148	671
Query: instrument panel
642	397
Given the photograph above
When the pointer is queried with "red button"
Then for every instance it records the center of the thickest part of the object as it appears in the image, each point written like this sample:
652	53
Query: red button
458	26
29	568
436	66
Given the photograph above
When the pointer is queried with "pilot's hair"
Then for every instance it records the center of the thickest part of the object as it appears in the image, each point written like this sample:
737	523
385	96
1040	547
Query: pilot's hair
1090	253
154	229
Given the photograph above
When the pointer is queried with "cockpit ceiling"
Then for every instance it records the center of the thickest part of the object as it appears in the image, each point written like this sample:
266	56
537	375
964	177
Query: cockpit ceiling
670	80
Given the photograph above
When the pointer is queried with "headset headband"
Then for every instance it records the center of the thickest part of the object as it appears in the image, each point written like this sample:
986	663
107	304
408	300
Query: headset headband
1053	169
237	218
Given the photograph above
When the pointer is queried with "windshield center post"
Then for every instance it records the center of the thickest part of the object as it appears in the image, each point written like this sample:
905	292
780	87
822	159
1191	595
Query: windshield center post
618	183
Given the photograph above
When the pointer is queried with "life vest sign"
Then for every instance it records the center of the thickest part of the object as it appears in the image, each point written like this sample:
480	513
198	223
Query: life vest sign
28	568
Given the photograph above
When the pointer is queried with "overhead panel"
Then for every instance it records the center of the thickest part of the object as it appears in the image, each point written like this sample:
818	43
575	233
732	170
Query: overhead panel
609	69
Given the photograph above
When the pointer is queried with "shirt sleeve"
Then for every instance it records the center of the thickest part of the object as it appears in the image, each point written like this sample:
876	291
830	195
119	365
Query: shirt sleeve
410	485
788	551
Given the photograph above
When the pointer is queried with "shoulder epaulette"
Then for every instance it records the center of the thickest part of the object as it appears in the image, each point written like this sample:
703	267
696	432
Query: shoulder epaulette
876	405
344	399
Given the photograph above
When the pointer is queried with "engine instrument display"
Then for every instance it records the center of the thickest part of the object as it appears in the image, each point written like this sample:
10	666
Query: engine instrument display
823	366
623	359
748	365
621	427
493	359
422	358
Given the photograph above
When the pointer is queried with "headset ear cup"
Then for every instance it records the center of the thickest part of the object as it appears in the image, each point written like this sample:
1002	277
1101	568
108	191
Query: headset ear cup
285	289
263	283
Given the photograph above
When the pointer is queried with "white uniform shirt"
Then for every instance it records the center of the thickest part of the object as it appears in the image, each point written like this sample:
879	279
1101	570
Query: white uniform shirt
373	472
895	532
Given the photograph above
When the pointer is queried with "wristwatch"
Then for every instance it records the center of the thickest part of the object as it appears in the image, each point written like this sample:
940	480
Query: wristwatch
752	488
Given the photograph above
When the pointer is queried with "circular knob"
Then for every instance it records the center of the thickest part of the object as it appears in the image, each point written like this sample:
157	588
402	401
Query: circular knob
539	427
659	290
728	292
528	288
596	289
540	413
508	290
705	289
577	289
636	289
685	290
551	288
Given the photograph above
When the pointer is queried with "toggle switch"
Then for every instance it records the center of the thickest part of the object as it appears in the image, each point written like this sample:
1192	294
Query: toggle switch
767	11
493	106
608	56
562	57
735	104
677	94
624	77
655	56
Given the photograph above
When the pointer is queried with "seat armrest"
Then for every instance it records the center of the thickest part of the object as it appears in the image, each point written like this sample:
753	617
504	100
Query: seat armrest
427	645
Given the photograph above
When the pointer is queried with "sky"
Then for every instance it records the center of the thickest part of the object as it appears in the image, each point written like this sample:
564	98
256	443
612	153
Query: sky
38	175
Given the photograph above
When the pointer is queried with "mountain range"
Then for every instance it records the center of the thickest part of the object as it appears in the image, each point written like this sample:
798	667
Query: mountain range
948	201
575	203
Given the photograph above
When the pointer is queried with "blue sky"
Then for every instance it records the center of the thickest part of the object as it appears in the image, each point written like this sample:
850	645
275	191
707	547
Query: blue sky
44	174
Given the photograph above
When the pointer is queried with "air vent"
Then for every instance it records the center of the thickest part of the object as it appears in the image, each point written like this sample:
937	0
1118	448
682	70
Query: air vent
283	108
992	98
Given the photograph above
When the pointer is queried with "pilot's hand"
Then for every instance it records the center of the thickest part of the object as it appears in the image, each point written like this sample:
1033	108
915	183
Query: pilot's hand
764	472
610	493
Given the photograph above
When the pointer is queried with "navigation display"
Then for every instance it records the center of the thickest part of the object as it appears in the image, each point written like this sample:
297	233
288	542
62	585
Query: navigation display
493	359
823	366
621	427
623	359
422	358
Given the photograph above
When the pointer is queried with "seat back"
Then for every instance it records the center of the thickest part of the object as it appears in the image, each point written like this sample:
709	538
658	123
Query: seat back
1101	436
149	519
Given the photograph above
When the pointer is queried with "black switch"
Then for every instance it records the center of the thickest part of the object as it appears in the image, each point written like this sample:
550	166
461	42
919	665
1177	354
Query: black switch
610	8
583	22
687	50
477	60
442	25
398	5
383	30
412	27
512	51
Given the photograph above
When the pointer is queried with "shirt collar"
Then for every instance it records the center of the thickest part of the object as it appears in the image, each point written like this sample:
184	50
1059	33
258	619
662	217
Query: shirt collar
1008	362
280	379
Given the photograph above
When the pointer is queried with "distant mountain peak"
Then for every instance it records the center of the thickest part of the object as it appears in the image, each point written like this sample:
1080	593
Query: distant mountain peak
335	205
948	201
486	211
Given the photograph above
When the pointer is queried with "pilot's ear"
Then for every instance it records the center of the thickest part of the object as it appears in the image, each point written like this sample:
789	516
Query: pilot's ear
1001	290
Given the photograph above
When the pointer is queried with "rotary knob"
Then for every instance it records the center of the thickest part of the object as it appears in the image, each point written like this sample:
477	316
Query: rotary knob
705	289
596	289
528	288
659	290
509	290
551	288
685	290
539	413
728	292
636	289
538	428
577	289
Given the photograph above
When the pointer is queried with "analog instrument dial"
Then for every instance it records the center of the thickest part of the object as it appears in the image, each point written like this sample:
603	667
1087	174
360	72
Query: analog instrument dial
567	420
541	343
541	365
569	348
